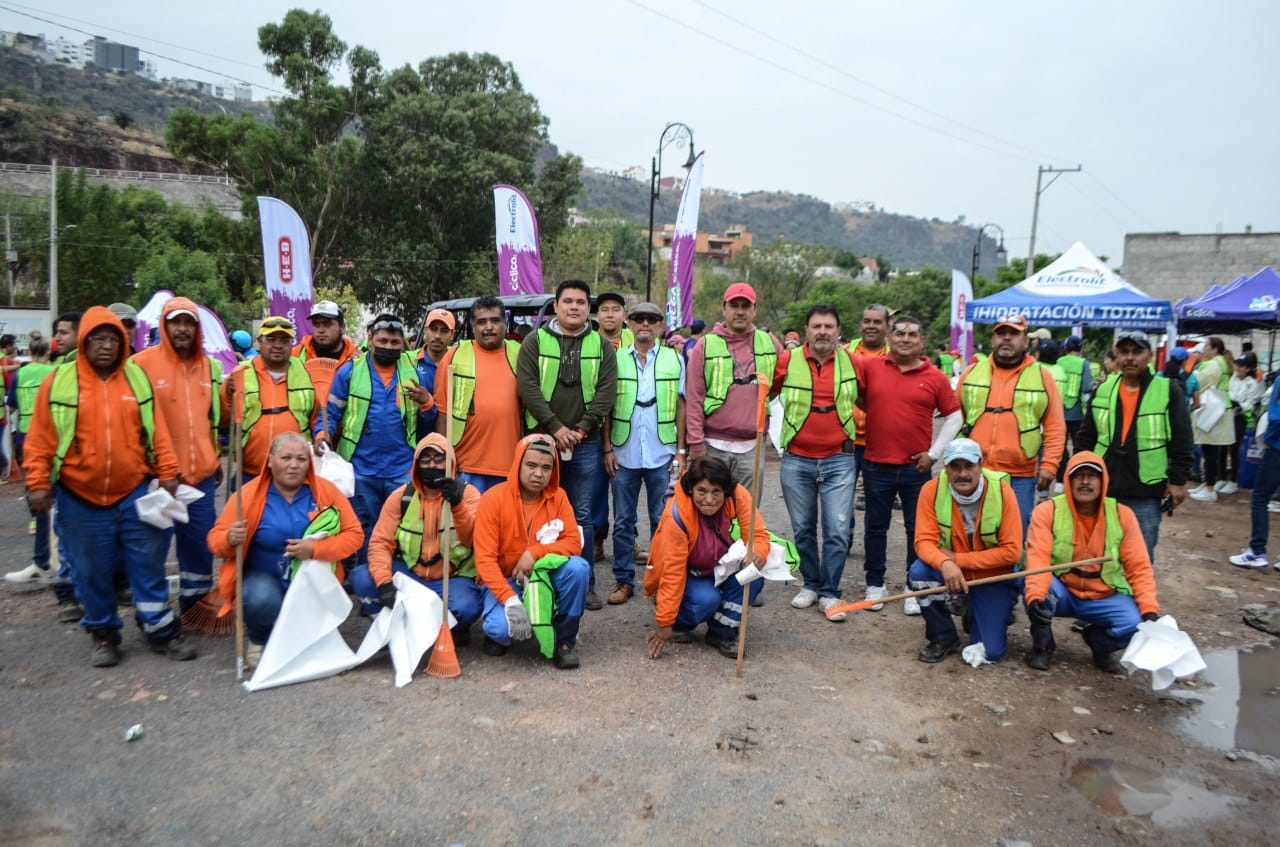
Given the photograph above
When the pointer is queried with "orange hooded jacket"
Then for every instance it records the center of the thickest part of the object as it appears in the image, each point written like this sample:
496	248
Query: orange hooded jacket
107	460
502	533
971	555
382	542
185	393
335	548
1133	550
669	550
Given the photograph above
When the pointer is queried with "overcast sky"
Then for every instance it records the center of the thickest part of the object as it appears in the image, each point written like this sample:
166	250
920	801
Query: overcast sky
937	109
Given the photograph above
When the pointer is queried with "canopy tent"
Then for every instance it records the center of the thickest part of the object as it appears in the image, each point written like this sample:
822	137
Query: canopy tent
1076	290
1248	303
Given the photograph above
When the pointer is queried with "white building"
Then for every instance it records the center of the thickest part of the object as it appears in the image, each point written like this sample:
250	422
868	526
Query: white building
76	53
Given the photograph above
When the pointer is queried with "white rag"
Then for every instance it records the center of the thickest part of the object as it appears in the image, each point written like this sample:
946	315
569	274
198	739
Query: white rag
1160	647
976	655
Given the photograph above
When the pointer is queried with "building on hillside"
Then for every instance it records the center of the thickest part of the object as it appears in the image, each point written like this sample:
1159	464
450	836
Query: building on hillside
636	173
710	248
114	56
1171	265
75	53
194	86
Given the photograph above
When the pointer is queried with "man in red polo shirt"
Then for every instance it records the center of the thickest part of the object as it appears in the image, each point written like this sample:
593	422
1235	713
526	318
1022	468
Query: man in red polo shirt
900	392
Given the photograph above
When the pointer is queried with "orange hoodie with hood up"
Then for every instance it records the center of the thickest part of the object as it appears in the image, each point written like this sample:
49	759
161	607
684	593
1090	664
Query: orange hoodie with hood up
185	394
382	542
502	532
1089	585
107	460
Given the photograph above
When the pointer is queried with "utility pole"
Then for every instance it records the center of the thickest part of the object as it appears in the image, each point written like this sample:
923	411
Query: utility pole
53	240
1041	170
9	256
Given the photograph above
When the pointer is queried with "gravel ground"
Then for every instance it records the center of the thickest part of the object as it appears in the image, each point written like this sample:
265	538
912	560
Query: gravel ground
835	734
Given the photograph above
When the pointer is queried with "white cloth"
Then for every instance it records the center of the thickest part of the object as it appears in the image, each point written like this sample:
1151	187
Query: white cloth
549	531
976	655
1160	647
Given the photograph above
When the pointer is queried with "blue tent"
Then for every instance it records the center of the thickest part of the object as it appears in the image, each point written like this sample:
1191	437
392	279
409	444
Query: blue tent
1248	303
1076	290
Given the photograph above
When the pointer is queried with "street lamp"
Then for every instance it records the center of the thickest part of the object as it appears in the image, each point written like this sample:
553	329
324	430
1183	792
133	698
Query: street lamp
1002	255
682	131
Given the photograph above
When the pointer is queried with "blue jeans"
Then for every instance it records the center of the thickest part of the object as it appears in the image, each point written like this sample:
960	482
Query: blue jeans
987	619
106	539
882	483
371	493
195	562
63	582
40	554
577	478
464	595
481	482
263	594
568	582
626	498
1117	615
720	606
1264	486
600	503
829	482
1024	489
1147	511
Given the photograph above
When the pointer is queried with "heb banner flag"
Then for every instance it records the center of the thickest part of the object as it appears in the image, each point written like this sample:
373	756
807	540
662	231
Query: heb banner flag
961	326
286	260
684	244
516	228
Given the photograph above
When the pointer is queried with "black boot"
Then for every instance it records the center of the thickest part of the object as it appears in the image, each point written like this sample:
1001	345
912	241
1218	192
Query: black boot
1104	648
1042	647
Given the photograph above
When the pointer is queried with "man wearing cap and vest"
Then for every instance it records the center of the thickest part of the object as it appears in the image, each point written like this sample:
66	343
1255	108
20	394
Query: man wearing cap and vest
1075	389
1141	427
271	395
372	416
1012	408
486	423
967	527
1113	597
326	349
567	385
645	437
96	444
611	314
818	387
186	384
437	334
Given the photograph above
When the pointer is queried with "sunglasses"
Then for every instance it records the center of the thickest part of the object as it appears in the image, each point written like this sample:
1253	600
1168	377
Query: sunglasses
393	326
645	319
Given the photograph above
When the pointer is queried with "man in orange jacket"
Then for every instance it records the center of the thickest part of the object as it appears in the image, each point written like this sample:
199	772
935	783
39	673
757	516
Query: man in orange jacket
94	436
1111	598
518	523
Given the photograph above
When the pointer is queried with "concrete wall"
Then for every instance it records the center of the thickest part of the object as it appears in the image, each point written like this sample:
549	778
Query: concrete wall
1171	266
176	188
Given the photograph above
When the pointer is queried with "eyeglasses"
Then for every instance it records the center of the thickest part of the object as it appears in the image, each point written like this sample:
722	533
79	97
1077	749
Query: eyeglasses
645	319
104	338
393	326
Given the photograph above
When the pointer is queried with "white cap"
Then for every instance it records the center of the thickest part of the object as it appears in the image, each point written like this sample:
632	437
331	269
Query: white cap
176	312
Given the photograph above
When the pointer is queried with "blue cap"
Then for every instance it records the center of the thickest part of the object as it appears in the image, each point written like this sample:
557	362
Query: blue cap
241	340
1178	354
1073	342
962	448
698	325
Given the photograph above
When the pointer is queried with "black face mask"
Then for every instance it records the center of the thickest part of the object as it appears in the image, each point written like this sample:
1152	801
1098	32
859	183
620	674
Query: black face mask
386	355
430	476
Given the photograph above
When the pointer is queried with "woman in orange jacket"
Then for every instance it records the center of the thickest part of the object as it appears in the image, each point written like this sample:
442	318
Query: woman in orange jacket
707	513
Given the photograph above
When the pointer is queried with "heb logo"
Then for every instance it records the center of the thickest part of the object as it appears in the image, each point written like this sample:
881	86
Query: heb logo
960	307
284	248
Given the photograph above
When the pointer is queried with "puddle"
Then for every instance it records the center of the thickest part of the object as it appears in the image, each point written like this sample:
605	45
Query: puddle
1241	701
1122	790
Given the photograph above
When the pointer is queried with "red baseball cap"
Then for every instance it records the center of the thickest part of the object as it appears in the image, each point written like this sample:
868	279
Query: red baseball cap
740	289
1018	322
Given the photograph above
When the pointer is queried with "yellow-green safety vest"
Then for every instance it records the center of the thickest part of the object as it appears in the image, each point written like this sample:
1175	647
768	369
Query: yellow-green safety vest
549	367
409	537
1073	366
717	368
797	394
1151	425
666	383
464	382
25	387
64	400
298	387
990	512
1030	400
327	521
1112	572
360	394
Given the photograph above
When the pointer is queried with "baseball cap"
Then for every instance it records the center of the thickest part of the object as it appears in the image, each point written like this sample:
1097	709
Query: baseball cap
1178	354
1244	360
698	325
275	324
740	289
610	297
1073	342
178	312
962	448
1041	333
123	311
1094	465
1137	336
241	340
542	444
442	315
1018	322
326	309
646	309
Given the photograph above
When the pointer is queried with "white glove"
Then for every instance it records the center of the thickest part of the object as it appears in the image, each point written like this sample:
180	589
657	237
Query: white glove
518	626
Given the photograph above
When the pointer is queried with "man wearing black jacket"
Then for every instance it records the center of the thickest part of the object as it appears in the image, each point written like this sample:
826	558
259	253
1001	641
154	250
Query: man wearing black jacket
1140	425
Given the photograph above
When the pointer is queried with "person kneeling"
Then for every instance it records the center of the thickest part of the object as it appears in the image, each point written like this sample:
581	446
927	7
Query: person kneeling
1111	598
696	530
525	531
283	507
967	527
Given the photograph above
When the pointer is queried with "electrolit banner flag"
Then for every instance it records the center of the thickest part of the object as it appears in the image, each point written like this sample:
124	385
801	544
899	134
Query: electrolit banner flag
286	261
961	326
684	243
519	264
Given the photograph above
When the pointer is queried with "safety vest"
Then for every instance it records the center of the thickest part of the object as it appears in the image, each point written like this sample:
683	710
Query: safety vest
1073	367
360	394
717	369
1030	400
329	522
625	338
1059	375
797	394
853	345
1111	572
301	394
1150	425
64	400
1095	372
409	537
215	402
25	388
990	512
549	367
464	382
666	383
945	362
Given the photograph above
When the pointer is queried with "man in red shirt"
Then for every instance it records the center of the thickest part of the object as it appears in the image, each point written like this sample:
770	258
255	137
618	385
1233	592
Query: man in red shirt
901	393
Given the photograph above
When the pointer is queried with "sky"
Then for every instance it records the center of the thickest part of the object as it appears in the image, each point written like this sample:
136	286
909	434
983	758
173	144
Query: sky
929	108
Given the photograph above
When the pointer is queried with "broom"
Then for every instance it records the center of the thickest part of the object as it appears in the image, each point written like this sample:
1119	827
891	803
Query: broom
203	616
239	612
762	399
444	658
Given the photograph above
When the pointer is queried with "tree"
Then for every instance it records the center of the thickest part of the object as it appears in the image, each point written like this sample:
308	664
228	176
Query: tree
122	119
781	274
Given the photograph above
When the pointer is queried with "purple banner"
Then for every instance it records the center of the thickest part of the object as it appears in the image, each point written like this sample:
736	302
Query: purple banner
684	244
286	263
961	326
516	230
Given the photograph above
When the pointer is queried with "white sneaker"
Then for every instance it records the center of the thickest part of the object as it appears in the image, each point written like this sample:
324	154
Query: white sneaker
805	598
1249	559
911	606
1273	506
1204	495
31	573
1219	485
1229	488
825	603
876	592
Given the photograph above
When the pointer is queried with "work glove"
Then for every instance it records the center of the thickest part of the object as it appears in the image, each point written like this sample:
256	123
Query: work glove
451	489
518	626
1151	616
387	594
1038	613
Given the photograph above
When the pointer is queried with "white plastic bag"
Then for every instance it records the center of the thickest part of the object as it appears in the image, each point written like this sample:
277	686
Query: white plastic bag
331	466
1212	406
154	507
1160	647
